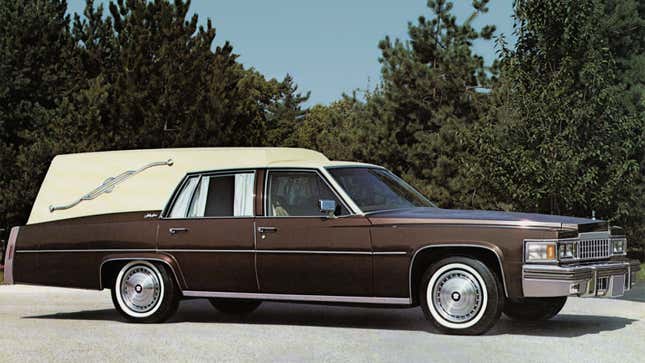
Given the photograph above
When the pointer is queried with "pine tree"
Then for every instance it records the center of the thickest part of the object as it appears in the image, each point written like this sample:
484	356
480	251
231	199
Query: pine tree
285	114
139	75
428	102
36	72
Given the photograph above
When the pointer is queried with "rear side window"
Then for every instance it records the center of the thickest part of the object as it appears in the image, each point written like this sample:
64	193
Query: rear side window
226	195
183	199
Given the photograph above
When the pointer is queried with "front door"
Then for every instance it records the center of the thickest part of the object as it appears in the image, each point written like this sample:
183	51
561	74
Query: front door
301	251
209	231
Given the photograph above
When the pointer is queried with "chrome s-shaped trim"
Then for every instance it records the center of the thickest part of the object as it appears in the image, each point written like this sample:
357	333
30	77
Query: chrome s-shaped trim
499	259
101	287
292	297
108	185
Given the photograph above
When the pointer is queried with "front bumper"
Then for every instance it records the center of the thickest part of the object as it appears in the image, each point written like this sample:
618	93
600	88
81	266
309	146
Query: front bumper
602	279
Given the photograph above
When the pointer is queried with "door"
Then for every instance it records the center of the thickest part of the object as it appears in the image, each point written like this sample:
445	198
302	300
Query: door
209	231
302	251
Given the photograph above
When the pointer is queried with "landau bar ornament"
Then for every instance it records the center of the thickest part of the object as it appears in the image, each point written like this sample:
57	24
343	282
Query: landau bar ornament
108	185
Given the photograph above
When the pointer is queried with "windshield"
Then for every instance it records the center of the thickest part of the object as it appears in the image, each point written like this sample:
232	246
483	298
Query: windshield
375	189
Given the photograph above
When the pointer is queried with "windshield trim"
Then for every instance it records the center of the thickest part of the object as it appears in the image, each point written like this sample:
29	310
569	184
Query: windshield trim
371	166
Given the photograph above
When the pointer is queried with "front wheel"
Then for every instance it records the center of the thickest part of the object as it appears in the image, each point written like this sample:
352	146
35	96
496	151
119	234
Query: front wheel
461	295
535	308
144	292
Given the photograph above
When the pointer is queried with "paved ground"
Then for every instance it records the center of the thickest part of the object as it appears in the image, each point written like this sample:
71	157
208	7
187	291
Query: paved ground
48	324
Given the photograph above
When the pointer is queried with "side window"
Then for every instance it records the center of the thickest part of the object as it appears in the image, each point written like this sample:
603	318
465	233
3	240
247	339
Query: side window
297	193
183	199
229	195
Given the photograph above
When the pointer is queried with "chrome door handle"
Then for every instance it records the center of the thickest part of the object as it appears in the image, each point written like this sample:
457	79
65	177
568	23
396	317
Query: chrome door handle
267	229
177	230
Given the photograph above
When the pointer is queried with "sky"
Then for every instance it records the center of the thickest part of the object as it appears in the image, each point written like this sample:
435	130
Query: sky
330	47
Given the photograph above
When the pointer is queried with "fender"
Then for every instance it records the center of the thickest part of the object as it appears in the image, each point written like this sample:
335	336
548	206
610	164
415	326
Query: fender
166	259
483	245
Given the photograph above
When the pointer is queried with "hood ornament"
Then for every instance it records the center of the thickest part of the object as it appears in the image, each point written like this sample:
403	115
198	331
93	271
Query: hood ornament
108	185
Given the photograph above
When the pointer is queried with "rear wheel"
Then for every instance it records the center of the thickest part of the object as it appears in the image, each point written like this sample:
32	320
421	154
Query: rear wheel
235	306
461	295
534	309
144	292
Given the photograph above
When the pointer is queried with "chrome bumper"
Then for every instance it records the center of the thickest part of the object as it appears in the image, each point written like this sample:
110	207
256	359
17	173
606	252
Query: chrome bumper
606	279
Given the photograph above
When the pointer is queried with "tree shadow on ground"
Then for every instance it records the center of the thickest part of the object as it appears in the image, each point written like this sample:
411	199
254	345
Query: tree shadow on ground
288	314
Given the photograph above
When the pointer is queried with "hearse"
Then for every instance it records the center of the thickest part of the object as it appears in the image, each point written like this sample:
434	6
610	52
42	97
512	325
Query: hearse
239	226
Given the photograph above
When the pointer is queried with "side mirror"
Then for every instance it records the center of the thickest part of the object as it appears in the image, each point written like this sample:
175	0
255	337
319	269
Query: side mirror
327	206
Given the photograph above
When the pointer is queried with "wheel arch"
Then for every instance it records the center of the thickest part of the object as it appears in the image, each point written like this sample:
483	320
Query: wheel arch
111	264
424	256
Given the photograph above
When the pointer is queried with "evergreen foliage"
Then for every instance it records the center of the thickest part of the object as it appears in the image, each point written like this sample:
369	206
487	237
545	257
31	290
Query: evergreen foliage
559	138
427	102
139	75
555	125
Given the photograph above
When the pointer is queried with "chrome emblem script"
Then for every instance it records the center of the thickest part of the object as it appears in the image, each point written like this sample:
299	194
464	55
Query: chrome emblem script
108	185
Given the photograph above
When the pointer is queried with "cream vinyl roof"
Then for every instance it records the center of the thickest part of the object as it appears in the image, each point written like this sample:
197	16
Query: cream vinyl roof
72	176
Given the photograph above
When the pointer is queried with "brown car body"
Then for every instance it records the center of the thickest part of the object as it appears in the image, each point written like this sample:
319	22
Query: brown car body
370	258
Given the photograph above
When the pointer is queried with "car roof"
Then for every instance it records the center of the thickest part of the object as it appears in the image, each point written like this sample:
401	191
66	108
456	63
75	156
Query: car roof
144	179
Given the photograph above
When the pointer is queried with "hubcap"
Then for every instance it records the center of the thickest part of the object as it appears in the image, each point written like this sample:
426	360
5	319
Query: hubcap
457	296
140	289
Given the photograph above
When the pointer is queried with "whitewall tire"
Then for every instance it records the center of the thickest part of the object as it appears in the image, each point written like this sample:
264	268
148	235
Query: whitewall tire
145	292
461	295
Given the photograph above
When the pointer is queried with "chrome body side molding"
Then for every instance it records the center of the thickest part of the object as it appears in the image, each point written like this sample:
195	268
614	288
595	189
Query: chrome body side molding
304	252
499	260
291	297
88	251
180	250
108	185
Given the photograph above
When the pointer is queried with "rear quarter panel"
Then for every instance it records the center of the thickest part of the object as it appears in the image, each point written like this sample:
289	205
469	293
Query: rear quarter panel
68	253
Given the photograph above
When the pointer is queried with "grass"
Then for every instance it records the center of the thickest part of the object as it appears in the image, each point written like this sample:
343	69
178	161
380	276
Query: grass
1	276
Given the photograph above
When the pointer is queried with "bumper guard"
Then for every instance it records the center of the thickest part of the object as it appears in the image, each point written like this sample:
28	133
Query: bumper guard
606	279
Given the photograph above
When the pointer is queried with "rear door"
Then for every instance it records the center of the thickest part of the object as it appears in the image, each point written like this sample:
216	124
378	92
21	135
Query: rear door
209	231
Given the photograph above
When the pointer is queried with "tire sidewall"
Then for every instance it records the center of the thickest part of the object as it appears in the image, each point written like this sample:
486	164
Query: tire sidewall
492	303
166	305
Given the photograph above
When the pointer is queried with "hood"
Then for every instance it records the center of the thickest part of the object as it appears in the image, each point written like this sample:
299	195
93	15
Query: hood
434	215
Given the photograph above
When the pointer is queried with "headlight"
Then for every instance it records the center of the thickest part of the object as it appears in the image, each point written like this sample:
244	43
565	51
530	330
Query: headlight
568	250
540	251
618	246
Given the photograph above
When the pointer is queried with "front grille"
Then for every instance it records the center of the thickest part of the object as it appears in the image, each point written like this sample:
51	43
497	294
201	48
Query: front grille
592	249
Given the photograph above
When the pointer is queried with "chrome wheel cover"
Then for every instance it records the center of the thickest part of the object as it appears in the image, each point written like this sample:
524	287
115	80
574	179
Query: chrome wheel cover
457	296
140	289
